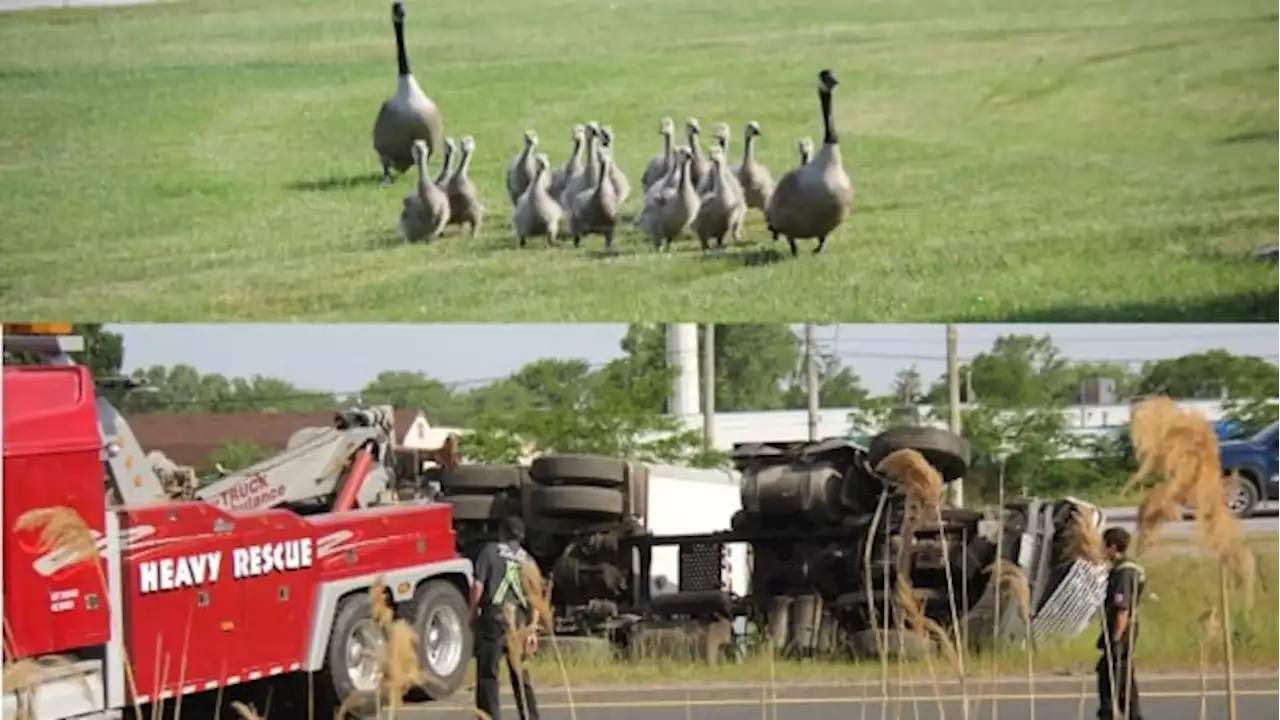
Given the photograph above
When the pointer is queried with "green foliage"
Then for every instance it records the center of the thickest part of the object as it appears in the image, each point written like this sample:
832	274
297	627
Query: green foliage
1211	375
758	367
1252	414
235	455
182	388
607	412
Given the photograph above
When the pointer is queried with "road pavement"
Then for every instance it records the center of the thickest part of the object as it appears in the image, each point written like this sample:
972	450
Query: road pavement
1057	698
1266	521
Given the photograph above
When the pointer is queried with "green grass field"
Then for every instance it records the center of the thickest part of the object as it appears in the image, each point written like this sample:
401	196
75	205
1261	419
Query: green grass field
1100	160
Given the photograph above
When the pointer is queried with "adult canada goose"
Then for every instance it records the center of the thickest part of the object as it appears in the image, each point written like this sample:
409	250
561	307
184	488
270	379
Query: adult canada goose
697	163
621	186
596	209
668	213
756	180
407	116
720	205
732	188
572	166
465	207
585	180
446	165
425	211
663	162
537	211
520	171
814	199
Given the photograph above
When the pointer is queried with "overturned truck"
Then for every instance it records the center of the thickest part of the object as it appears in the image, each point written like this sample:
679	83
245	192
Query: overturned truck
826	542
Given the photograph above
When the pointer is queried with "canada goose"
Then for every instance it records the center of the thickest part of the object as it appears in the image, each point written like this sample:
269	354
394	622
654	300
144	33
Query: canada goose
520	171
804	149
663	162
814	199
754	177
585	180
537	212
450	147
407	116
669	212
733	188
621	186
465	207
595	209
425	211
697	163
572	166
720	206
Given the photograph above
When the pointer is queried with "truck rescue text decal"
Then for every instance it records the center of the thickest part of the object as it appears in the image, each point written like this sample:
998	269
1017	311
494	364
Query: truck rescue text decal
251	493
185	571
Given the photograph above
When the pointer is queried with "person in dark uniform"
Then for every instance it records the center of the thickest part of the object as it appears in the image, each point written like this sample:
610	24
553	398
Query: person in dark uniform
498	594
1117	677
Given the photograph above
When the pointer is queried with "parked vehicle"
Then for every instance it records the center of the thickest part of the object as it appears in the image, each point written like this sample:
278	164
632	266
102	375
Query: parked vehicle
1251	470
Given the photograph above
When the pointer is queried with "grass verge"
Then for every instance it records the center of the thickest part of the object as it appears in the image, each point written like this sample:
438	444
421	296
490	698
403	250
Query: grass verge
212	160
1180	586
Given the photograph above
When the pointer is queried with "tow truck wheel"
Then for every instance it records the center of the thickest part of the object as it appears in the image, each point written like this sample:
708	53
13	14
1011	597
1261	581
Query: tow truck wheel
445	641
351	662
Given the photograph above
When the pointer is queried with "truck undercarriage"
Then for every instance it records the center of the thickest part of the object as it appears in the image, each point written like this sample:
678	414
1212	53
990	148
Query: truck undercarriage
827	540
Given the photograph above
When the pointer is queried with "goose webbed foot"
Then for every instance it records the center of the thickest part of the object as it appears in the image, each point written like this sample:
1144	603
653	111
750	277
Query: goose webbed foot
822	242
795	251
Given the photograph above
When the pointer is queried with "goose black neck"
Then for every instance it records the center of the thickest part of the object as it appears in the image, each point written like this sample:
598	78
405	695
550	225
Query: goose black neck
829	136
402	57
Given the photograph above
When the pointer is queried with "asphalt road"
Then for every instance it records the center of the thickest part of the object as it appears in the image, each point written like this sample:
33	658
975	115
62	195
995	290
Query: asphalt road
1169	698
1266	521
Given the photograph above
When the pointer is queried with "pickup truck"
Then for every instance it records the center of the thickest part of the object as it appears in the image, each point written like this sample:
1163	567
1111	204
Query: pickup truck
1251	467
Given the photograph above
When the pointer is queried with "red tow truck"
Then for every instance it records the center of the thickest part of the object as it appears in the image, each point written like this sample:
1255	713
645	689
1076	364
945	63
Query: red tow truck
181	597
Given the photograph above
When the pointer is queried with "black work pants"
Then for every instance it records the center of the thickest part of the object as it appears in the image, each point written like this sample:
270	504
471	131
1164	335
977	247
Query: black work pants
1118	686
491	649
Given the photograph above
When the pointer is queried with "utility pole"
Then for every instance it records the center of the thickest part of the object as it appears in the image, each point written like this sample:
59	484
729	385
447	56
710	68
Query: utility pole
708	386
953	399
812	389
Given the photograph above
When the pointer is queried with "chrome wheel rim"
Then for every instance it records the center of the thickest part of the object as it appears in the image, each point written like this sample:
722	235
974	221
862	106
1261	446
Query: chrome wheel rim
363	648
442	638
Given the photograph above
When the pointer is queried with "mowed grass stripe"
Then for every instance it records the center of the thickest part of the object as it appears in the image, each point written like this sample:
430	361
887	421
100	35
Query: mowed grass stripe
1019	160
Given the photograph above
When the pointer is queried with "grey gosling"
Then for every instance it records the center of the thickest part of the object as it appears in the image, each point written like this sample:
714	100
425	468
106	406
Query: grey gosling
537	212
465	207
520	171
663	162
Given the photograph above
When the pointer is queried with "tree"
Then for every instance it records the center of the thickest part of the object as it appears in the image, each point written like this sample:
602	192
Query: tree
412	389
182	388
1210	375
908	385
838	386
754	362
615	411
235	455
1251	415
103	354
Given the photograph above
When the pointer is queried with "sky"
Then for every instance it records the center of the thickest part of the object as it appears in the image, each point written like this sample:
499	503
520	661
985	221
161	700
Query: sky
342	358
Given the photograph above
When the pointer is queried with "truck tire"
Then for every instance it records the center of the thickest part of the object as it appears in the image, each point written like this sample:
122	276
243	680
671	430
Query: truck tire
568	501
1242	494
472	508
351	660
587	470
445	641
476	479
946	451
